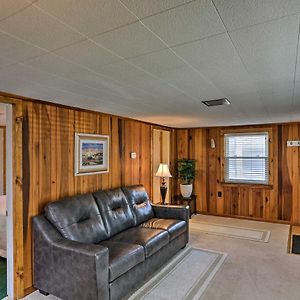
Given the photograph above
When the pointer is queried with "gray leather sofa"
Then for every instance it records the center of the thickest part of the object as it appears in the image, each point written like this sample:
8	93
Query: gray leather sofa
106	244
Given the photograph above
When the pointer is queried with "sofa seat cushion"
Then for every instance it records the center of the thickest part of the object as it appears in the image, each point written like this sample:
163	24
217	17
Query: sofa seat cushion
122	257
174	227
151	239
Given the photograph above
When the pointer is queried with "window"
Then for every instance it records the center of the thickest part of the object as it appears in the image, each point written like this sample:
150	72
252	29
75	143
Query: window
246	158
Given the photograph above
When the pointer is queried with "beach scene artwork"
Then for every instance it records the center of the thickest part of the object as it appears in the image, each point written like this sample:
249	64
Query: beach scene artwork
92	154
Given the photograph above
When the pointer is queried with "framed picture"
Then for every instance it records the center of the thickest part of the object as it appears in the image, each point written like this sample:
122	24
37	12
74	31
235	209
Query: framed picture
91	154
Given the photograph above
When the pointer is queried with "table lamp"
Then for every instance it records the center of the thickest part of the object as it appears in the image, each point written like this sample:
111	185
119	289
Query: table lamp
163	171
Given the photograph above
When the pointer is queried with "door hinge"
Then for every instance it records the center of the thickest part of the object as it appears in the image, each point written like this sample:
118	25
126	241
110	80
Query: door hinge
19	119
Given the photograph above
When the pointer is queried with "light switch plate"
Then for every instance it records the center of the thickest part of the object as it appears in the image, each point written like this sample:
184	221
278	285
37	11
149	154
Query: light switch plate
133	155
293	143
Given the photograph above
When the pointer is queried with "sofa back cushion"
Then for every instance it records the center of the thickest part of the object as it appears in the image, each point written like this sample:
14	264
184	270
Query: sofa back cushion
139	202
115	210
77	218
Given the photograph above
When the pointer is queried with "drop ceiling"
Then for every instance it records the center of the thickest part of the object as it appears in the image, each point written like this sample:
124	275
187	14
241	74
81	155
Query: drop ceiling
156	60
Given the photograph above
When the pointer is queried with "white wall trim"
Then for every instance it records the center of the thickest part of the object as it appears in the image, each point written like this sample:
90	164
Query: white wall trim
9	202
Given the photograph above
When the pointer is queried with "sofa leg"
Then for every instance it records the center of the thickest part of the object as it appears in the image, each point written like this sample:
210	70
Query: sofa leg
44	293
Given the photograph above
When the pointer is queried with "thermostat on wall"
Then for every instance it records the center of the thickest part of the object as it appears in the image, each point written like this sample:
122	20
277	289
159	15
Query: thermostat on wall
293	143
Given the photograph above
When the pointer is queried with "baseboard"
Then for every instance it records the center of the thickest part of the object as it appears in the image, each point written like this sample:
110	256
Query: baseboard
245	218
29	290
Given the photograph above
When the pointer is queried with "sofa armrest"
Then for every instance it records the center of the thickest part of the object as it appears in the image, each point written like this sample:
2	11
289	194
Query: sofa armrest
178	212
68	269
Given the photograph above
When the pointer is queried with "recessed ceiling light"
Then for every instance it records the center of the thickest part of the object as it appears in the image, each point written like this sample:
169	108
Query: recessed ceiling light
217	102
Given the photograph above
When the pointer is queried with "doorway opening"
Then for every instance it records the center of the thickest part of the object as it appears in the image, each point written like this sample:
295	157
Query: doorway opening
160	154
6	220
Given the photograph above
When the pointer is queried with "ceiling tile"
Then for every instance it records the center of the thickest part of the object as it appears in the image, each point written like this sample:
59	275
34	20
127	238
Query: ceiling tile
193	21
88	54
54	64
39	29
93	80
139	8
17	50
241	13
131	40
192	83
121	71
91	17
158	62
269	50
154	87
9	7
4	61
217	59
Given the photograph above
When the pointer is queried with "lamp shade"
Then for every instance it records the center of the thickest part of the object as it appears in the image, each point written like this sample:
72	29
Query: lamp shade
163	171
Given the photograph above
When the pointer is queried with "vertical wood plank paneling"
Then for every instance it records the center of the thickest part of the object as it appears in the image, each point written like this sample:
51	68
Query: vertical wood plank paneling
145	156
62	152
278	201
116	153
53	152
105	178
19	279
182	143
45	156
27	187
295	176
212	172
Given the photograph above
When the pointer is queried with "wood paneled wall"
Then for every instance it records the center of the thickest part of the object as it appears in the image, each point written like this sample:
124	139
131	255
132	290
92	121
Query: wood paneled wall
278	201
48	159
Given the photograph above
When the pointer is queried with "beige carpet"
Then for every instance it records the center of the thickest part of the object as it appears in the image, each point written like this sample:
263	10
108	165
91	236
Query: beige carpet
245	233
252	270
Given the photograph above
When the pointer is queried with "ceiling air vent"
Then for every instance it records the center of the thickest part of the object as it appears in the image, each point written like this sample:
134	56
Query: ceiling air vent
216	102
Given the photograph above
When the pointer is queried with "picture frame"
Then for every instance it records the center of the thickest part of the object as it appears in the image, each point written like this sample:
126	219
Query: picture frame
91	154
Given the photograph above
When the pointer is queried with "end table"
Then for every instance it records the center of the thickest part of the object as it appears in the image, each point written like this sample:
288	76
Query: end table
191	202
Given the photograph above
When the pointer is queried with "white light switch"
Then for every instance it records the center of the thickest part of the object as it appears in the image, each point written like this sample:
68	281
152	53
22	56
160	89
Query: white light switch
293	143
133	155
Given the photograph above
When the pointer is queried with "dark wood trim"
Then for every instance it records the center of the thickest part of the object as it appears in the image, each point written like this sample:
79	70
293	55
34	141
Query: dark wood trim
17	186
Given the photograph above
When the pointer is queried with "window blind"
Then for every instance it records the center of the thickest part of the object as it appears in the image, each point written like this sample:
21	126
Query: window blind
246	158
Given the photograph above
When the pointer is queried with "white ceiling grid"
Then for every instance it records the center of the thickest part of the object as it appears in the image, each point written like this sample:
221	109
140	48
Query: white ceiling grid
156	60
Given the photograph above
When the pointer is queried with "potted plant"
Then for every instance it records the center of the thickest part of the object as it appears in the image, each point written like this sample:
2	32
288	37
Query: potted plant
186	175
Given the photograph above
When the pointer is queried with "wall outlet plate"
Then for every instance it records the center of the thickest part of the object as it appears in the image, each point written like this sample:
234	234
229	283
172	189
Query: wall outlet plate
293	143
133	155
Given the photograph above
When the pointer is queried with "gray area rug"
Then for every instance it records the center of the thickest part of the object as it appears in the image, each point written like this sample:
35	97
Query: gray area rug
258	235
186	276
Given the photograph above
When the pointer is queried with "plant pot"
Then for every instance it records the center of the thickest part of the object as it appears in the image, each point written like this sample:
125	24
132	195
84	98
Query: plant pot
186	190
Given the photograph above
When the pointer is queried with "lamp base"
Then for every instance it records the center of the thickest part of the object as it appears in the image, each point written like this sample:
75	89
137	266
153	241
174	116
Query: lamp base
163	192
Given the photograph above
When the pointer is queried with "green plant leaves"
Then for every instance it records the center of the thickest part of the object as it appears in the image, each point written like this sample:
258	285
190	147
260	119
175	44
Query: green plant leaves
186	170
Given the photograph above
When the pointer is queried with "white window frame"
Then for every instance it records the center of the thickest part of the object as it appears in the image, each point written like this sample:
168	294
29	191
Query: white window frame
267	158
